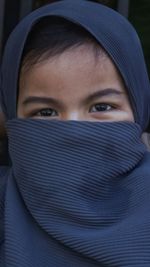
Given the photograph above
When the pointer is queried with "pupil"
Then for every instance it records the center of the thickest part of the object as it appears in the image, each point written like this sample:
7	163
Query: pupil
46	112
100	107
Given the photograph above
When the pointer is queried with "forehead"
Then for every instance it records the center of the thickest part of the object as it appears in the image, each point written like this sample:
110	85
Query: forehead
72	70
92	53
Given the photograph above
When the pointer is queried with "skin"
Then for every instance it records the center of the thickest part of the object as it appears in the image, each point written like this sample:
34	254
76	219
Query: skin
74	86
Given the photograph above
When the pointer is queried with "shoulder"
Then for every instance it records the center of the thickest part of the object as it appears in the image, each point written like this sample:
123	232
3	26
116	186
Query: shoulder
3	181
3	185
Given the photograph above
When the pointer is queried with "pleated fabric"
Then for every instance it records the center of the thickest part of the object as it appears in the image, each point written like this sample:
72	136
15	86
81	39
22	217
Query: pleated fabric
78	198
77	193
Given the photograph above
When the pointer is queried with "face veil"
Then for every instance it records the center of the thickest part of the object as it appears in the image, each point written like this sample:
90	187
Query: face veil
77	193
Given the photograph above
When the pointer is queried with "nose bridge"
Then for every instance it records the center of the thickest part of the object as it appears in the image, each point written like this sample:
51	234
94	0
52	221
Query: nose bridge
74	115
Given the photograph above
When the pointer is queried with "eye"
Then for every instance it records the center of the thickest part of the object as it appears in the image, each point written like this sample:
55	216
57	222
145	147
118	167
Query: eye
101	107
46	112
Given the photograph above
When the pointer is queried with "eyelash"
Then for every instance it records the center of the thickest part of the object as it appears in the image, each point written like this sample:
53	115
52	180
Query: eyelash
44	110
103	106
53	112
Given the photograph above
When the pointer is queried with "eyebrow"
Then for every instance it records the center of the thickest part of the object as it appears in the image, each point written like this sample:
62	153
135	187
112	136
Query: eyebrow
91	97
102	93
40	100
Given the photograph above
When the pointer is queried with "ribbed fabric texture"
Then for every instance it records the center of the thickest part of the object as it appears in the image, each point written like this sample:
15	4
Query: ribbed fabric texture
78	195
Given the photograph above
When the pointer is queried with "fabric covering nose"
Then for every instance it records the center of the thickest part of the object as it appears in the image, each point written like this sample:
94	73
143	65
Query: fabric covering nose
80	195
110	29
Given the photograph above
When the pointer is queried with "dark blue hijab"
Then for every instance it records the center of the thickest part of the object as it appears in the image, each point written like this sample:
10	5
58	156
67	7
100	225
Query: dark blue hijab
77	193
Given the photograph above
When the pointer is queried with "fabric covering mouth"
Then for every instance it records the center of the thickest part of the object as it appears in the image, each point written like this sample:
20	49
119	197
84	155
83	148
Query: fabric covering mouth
79	193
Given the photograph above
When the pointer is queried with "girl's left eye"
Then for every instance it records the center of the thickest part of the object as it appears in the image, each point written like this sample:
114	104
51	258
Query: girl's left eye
47	112
101	107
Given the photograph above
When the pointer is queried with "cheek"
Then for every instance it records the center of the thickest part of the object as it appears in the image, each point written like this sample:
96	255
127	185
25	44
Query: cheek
126	115
131	116
20	107
19	112
129	111
20	97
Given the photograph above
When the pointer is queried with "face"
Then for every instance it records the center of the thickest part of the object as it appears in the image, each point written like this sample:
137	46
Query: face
74	86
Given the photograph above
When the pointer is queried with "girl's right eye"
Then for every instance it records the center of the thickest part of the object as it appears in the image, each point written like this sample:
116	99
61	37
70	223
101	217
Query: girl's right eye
46	112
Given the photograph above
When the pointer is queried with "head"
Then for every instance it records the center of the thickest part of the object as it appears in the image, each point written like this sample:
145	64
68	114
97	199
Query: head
69	66
67	75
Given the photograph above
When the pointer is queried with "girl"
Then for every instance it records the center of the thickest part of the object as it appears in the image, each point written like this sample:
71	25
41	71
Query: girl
76	97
